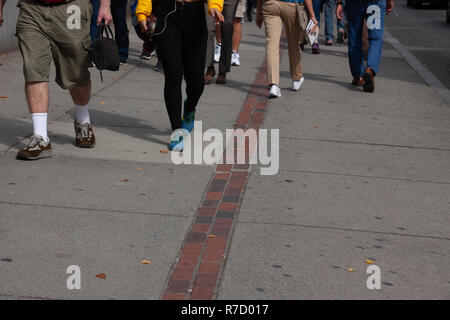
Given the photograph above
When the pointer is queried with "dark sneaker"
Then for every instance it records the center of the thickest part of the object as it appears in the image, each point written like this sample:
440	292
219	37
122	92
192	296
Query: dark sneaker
369	83
37	148
221	78
84	135
340	37
315	48
358	82
210	73
145	55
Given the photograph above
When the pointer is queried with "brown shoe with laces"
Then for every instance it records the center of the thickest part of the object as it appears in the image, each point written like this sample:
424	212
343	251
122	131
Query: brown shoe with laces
84	135
221	78
210	74
37	148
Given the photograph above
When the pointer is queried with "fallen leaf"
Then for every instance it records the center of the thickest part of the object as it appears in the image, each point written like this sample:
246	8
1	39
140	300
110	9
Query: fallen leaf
3	97
393	152
102	102
315	127
211	236
101	276
139	168
125	180
351	269
145	262
369	261
164	151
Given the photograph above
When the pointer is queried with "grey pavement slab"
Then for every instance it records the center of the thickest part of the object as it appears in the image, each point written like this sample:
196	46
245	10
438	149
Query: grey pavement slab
43	242
275	261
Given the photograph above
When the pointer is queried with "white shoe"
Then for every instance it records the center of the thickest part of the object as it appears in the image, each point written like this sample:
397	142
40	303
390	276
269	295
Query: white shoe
235	58
297	84
217	49
274	91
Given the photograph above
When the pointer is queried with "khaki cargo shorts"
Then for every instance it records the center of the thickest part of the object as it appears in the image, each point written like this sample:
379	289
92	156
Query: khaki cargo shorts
59	32
240	9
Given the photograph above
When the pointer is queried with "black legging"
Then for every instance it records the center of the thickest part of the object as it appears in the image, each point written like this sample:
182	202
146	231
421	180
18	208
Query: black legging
182	49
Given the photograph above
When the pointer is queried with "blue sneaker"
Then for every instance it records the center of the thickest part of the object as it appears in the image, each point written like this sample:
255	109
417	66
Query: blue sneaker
176	140
187	122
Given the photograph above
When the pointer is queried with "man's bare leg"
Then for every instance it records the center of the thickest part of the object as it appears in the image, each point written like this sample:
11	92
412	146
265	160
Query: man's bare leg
237	34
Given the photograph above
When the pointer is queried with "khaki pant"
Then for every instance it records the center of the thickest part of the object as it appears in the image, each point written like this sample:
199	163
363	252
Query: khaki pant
276	13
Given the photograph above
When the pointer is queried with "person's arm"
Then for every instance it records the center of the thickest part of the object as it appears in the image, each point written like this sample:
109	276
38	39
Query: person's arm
339	10
215	8
2	4
104	12
312	16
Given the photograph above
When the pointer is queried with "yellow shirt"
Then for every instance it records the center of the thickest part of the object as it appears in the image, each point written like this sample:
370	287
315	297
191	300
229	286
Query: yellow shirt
144	8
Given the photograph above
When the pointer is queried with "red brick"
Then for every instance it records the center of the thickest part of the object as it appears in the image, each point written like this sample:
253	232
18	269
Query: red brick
213	195
223	167
227	206
197	237
236	184
223	223
221	176
210	203
209	267
204	211
200	227
171	296
187	262
213	254
182	274
192	249
206	279
218	242
202	293
233	192
220	231
178	286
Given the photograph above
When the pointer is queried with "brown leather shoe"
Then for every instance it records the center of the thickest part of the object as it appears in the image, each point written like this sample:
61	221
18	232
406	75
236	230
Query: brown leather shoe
369	83
221	78
210	74
37	148
358	82
84	135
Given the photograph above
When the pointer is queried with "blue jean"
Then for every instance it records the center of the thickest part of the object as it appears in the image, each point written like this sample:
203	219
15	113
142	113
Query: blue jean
356	11
118	12
329	7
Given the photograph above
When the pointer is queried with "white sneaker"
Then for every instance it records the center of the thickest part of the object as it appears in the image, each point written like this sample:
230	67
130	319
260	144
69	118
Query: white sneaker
274	91
235	58
297	84
217	49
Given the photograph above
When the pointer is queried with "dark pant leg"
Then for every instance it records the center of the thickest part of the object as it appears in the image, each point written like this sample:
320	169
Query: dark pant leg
194	53
95	9
226	28
169	49
118	12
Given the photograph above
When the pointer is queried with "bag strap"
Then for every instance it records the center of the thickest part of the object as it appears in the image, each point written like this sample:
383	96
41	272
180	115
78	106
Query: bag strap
103	28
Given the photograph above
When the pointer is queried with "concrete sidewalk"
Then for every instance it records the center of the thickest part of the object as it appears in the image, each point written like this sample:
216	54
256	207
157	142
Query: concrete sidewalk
362	176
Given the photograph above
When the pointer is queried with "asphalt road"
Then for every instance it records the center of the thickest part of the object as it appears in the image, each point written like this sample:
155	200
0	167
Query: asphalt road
425	33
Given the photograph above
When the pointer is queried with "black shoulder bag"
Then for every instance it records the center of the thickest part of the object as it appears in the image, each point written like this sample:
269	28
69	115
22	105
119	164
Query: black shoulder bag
106	53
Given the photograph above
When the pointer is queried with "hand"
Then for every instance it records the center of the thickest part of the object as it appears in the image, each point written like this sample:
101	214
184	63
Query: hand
316	23
215	13
104	13
389	6
259	19
339	12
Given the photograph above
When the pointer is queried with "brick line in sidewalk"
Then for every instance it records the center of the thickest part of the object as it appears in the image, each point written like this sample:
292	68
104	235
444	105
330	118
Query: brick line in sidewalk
198	269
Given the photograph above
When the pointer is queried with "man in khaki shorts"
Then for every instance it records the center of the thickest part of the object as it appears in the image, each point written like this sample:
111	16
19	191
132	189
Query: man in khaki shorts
56	30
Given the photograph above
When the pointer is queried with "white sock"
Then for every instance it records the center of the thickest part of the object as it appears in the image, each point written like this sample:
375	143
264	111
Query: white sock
82	114
40	124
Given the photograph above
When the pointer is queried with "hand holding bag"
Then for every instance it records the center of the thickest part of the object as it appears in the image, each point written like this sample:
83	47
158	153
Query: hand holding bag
106	53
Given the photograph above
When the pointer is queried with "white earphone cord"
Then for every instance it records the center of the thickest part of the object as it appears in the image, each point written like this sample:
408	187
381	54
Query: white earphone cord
165	19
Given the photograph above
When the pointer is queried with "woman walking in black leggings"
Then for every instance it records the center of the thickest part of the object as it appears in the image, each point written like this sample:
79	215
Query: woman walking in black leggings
180	36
